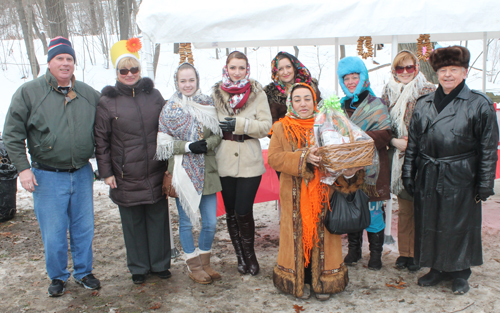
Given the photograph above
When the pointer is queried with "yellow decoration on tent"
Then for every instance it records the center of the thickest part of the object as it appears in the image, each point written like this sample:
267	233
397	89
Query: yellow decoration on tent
424	42
185	52
367	40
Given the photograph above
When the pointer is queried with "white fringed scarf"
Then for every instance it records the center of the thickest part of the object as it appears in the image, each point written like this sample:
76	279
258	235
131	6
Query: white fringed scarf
183	118
401	98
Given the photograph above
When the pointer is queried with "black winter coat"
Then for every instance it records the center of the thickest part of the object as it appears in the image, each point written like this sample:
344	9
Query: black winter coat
450	155
125	132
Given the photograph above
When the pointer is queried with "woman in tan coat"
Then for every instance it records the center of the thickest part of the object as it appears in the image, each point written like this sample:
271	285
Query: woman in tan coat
244	117
309	256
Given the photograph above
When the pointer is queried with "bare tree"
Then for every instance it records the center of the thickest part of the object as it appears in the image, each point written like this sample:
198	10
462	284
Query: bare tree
124	11
57	18
156	58
39	34
94	29
28	40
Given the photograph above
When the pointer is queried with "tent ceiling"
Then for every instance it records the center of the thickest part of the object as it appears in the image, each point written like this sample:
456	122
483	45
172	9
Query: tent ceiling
217	23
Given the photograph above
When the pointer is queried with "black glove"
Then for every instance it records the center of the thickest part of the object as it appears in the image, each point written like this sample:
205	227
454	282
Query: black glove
484	193
228	125
199	146
409	185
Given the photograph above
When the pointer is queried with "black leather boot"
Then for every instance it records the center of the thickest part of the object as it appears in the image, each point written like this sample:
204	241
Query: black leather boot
376	246
433	278
354	253
234	233
246	224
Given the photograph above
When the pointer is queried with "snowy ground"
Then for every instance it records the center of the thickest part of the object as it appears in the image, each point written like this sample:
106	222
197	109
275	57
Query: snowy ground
24	280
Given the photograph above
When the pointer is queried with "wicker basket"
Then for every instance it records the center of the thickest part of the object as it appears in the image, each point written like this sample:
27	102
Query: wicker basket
347	155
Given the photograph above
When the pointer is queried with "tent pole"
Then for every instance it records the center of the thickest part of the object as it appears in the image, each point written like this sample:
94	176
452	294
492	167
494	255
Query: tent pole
148	57
394	48
336	65
485	58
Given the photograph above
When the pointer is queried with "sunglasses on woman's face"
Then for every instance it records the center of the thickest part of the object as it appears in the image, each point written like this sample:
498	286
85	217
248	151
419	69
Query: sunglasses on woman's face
409	69
133	70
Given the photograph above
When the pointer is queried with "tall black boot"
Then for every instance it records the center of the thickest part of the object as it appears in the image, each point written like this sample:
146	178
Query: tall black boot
355	244
246	224
234	233
376	246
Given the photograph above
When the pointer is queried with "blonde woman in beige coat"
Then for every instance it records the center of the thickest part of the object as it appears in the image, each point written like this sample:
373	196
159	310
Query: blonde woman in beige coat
244	116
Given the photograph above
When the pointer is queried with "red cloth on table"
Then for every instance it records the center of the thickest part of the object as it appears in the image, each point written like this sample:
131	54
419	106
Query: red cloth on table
269	189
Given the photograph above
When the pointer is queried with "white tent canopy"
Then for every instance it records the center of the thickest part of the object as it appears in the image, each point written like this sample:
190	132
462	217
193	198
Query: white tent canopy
217	23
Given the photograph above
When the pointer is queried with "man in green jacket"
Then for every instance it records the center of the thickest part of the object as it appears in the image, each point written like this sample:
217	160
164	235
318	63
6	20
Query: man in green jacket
55	115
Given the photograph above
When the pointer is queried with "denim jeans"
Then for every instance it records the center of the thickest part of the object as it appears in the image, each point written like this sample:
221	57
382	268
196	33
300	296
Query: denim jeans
64	201
208	210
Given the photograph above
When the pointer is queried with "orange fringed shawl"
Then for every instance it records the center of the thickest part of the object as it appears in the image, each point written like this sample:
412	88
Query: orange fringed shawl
314	194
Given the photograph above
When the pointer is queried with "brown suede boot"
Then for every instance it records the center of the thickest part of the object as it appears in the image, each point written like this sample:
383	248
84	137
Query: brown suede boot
205	262
196	271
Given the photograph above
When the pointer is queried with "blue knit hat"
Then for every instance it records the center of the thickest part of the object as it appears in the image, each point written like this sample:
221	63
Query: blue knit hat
60	45
350	65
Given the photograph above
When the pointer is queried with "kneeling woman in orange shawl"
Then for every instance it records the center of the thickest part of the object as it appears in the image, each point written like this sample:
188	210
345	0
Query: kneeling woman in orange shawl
309	256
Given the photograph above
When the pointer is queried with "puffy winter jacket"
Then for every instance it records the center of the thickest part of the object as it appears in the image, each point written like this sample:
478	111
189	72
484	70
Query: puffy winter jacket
125	130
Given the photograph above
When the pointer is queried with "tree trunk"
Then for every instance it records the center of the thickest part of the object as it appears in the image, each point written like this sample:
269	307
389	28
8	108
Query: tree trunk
425	67
156	58
296	49
39	34
123	18
57	18
35	67
94	29
342	52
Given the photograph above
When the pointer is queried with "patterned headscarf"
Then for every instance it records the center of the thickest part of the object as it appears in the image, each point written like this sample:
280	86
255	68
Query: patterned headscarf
302	74
350	65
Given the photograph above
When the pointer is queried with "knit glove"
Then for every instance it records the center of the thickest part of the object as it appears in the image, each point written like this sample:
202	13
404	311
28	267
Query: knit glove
199	146
409	185
484	193
228	125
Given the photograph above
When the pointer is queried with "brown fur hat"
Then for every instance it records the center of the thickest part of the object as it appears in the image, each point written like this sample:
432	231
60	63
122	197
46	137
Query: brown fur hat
449	56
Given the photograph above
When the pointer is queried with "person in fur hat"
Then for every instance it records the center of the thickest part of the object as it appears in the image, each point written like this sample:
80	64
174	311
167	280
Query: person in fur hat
126	126
405	86
449	169
370	113
309	257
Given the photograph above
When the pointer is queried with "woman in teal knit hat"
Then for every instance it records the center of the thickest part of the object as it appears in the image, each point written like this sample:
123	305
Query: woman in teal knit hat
371	115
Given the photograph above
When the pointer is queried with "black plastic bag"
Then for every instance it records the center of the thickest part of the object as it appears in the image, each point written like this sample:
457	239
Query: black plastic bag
8	190
348	213
8	185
